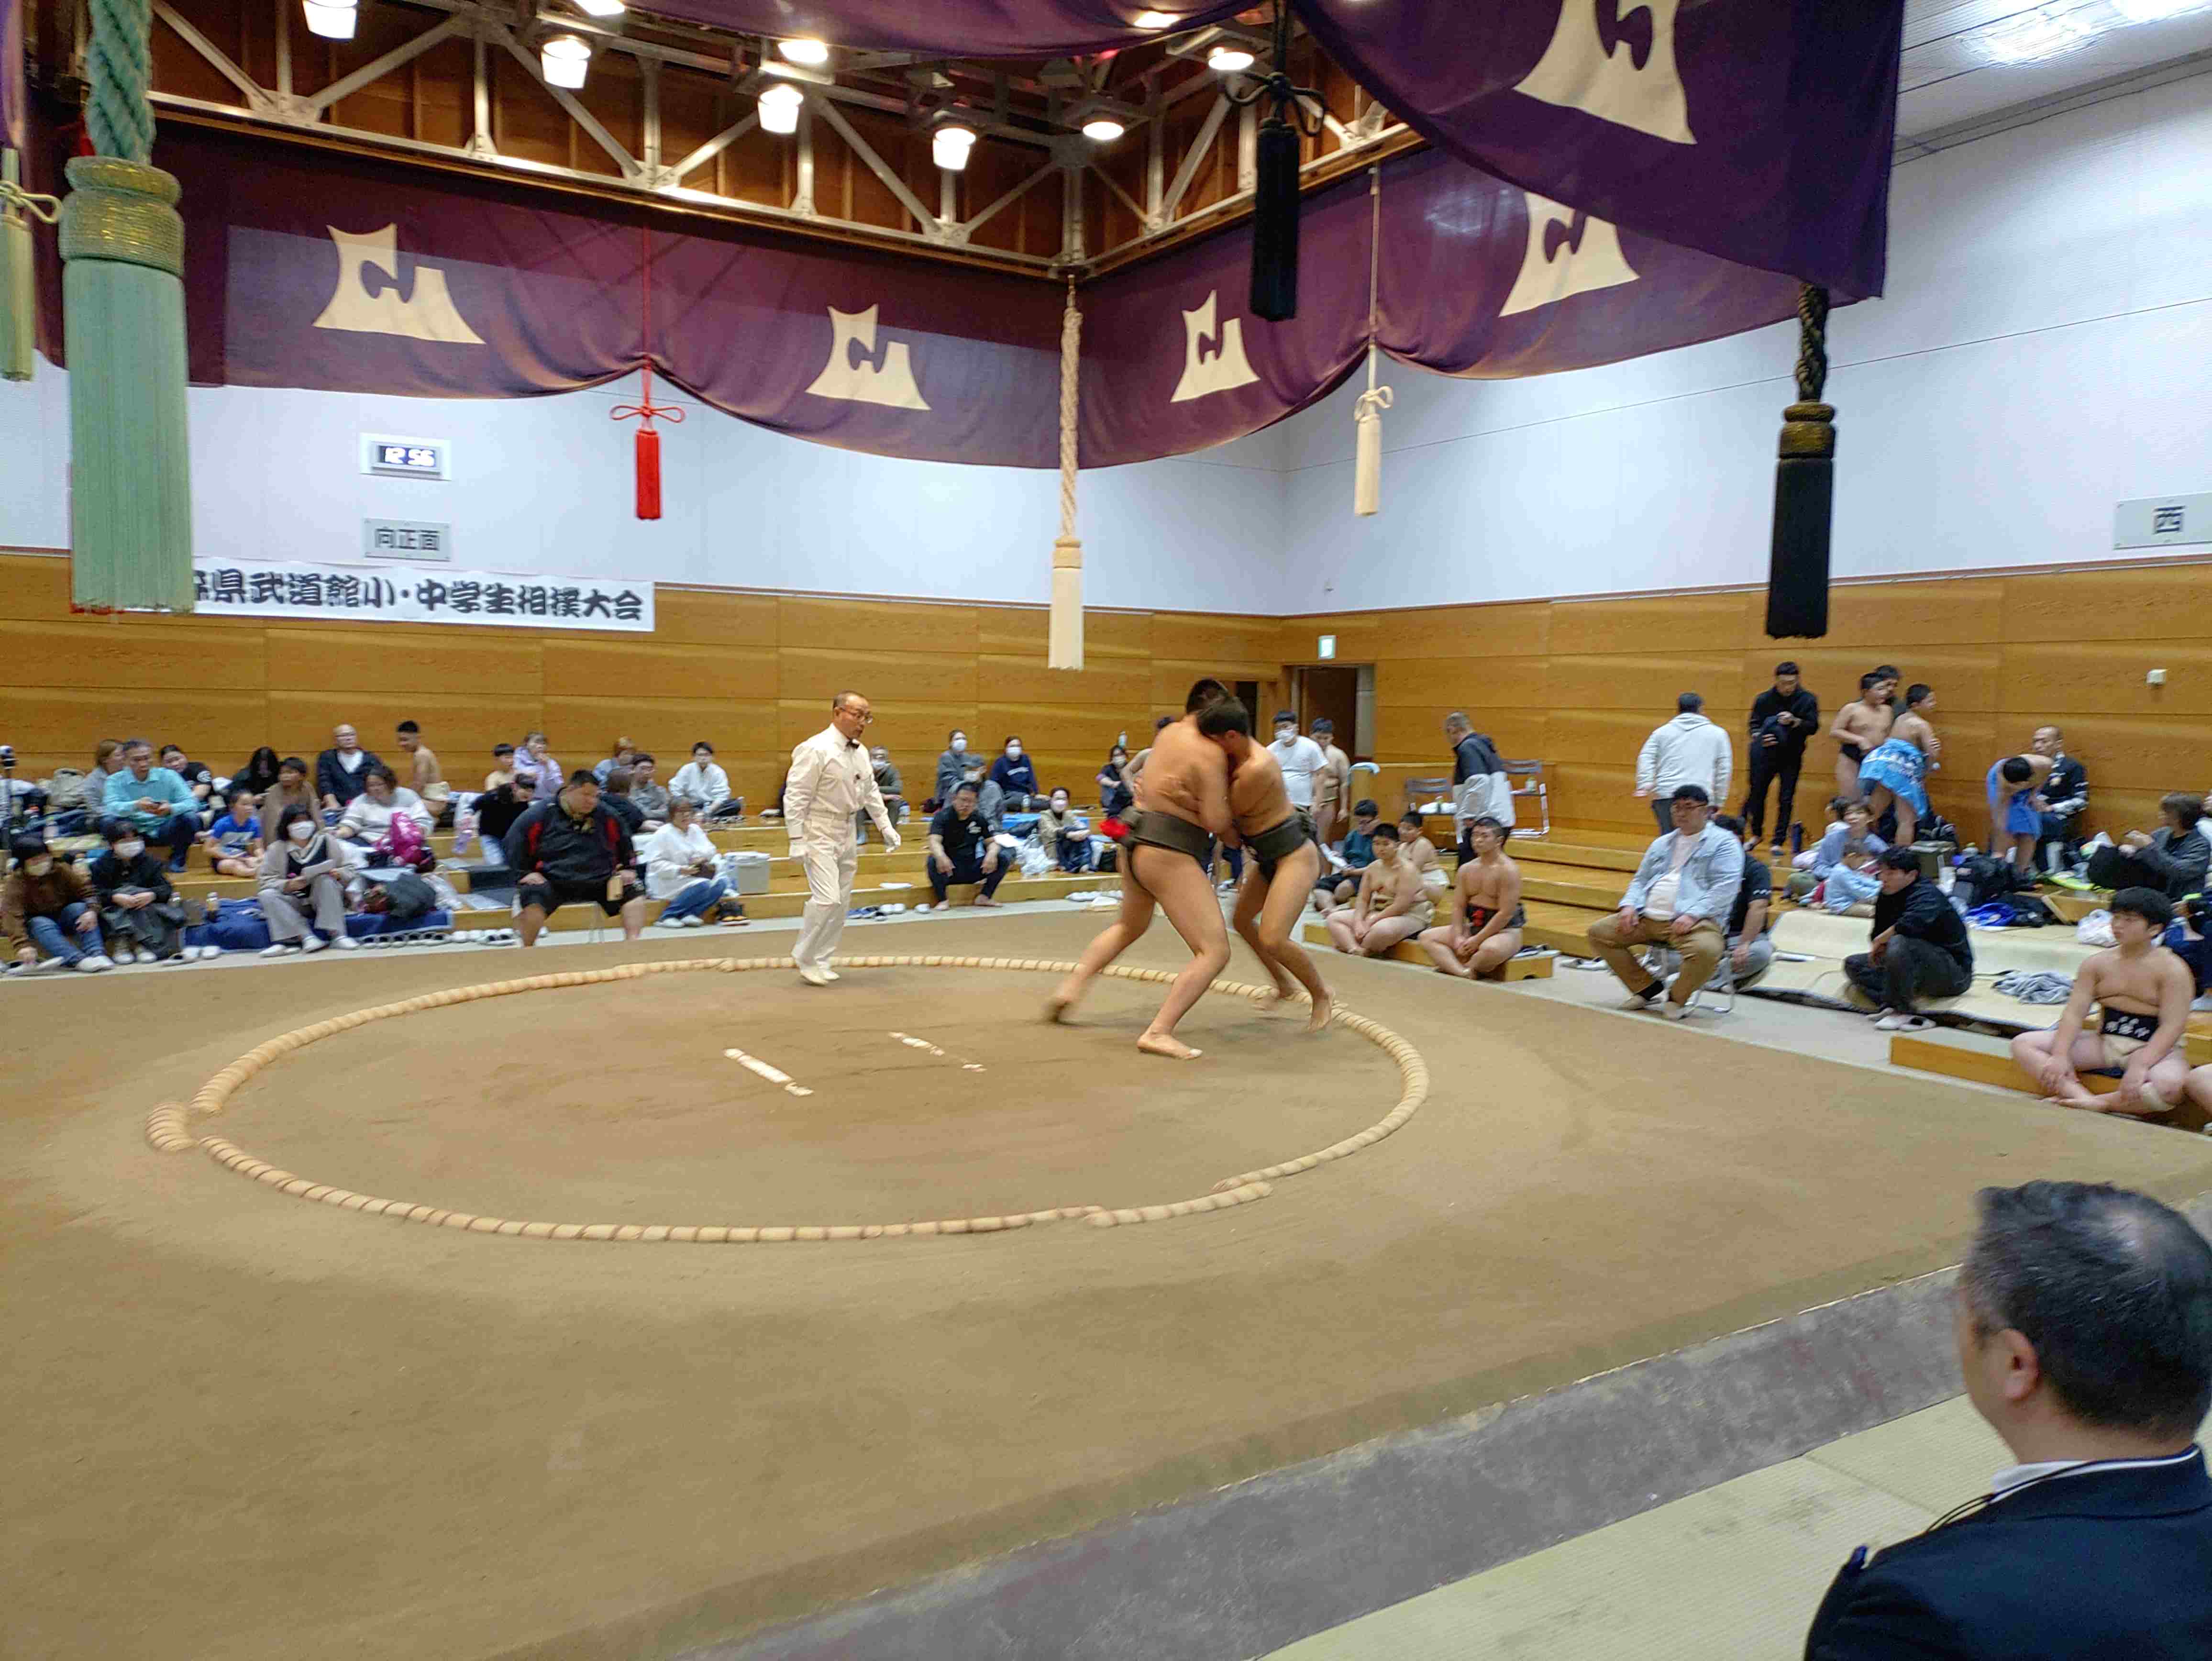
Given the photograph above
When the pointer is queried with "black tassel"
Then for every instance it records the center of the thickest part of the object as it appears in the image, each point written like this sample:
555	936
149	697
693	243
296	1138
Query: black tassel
1275	222
1804	486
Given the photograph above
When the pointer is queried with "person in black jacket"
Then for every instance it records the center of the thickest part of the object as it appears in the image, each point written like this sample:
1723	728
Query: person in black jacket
2084	1331
141	911
574	846
2065	798
2172	859
1919	949
342	770
1782	718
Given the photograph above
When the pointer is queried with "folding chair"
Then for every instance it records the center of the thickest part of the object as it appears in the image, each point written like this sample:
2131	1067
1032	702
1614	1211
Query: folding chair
1527	778
1666	963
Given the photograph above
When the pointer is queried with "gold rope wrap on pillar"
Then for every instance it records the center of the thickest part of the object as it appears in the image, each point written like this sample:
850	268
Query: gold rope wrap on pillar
1064	637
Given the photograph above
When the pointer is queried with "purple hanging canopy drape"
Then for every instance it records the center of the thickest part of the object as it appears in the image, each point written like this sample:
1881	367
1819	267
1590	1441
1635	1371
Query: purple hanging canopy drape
1757	131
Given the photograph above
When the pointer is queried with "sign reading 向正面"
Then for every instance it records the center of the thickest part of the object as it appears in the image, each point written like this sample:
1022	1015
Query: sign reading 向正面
358	593
406	538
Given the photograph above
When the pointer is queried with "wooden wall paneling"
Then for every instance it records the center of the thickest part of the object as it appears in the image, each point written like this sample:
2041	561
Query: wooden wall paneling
882	625
2121	811
1889	620
1588	793
1648	682
34	588
388	661
1518	629
2165	602
1023	631
668	726
2152	754
98	652
716	617
1123	685
2044	681
297	720
649	668
819	674
1481	683
1198	637
1607	737
1652	625
55	727
1058	731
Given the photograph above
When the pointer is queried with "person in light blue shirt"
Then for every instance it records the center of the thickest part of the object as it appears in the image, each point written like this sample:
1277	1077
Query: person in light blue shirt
155	801
1681	898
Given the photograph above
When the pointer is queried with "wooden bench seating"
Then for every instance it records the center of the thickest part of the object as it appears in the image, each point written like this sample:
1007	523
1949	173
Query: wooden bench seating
1989	1061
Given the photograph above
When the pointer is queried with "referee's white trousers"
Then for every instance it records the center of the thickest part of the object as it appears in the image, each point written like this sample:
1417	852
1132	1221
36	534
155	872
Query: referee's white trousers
832	859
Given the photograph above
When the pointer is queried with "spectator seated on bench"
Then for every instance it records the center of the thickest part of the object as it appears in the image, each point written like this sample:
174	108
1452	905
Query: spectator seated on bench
158	804
574	848
234	841
1681	897
964	847
1338	887
48	907
682	867
1393	904
303	877
138	909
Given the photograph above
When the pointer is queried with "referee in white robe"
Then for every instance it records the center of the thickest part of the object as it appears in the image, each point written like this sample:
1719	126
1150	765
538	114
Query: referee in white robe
832	781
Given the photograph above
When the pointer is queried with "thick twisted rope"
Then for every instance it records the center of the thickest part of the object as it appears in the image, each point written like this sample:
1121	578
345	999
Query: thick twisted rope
118	67
1070	340
1812	342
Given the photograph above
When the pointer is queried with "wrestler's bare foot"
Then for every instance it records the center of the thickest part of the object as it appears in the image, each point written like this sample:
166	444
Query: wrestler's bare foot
986	902
1062	999
1322	1009
1166	1043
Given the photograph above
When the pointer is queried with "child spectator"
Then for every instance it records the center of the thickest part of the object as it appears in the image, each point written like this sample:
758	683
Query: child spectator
234	841
1418	851
50	907
1338	886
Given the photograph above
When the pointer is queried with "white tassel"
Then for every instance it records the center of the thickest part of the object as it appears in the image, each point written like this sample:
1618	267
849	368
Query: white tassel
1064	641
1064	635
1367	464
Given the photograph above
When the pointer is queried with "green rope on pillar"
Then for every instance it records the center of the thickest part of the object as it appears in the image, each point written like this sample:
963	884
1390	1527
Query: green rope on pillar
18	300
118	69
123	253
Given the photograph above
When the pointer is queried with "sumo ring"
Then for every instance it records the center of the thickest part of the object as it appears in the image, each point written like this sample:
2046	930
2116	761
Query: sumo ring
168	1129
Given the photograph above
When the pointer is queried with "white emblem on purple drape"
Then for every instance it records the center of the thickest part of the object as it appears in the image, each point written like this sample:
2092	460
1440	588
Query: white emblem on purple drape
1213	360
1569	253
1614	59
861	371
425	312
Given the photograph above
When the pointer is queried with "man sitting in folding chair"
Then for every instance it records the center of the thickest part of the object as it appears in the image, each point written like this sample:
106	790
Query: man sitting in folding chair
1750	950
1682	895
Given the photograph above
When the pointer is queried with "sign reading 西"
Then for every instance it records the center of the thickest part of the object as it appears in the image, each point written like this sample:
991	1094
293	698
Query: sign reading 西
356	593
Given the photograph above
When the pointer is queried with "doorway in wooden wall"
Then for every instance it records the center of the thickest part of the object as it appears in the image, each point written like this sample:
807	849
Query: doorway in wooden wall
1331	692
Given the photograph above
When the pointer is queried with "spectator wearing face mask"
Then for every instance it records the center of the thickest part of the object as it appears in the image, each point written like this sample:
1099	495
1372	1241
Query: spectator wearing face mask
302	876
1299	757
1015	775
1064	835
953	764
1114	795
137	904
49	906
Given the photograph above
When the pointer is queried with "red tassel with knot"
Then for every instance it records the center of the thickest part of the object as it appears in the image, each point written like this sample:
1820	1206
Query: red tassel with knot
646	411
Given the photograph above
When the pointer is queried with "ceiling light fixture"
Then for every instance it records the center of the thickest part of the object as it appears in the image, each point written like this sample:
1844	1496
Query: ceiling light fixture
806	50
779	107
2151	11
1154	20
1103	129
602	8
949	146
564	60
1229	60
2033	35
332	18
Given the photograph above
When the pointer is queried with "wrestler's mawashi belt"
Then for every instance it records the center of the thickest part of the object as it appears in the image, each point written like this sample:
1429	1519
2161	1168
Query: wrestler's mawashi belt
1154	829
1277	843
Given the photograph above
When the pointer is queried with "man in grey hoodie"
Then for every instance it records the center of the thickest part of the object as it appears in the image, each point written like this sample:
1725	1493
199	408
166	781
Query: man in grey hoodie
1687	750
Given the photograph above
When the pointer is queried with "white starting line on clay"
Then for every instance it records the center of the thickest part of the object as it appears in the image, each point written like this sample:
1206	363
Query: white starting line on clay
912	1042
774	1076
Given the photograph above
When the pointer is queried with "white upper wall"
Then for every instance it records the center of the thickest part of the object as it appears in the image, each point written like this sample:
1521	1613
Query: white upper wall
2044	350
546	484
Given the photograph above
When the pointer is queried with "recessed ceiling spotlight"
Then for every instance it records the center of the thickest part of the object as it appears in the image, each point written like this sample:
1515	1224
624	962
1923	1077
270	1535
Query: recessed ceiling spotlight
601	8
806	50
1103	129
2043	33
1229	60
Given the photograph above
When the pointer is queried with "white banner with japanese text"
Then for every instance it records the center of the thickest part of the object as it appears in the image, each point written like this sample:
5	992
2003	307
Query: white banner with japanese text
358	593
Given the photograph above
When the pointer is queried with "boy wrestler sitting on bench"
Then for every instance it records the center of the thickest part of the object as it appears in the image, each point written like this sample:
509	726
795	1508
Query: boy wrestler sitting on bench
2143	992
